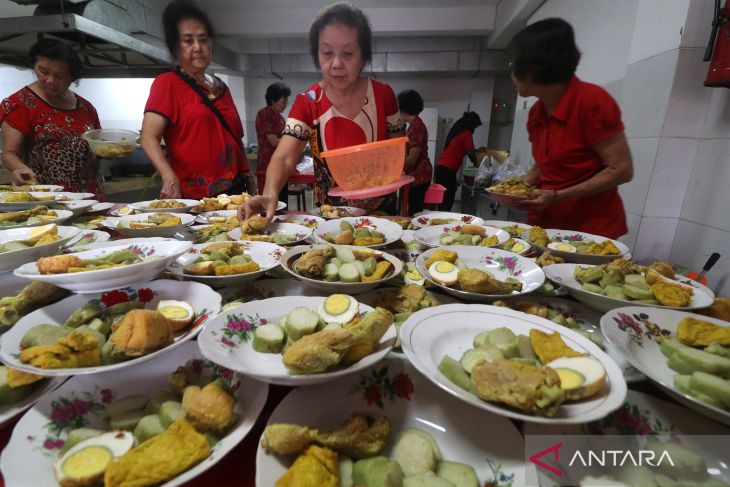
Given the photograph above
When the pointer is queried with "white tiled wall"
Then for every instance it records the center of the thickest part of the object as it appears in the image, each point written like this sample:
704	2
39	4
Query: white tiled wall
708	199
694	243
688	99
658	27
717	119
670	176
634	193
632	221
656	235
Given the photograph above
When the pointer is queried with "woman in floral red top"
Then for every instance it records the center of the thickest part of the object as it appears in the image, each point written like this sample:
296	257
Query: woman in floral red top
417	163
43	122
269	126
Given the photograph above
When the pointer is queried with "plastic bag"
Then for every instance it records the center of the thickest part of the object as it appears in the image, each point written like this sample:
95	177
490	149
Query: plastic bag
306	166
508	169
484	174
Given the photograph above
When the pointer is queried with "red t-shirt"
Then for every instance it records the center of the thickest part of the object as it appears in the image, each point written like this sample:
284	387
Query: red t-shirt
314	119
55	150
268	122
417	134
562	148
205	156
454	153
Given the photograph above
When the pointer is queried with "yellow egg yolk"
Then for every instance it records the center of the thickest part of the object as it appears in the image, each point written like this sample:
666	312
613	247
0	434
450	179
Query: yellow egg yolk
518	247
87	462
45	229
570	379
337	304
174	312
444	267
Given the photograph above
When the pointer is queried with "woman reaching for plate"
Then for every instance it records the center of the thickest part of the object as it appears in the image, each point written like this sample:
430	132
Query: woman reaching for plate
578	142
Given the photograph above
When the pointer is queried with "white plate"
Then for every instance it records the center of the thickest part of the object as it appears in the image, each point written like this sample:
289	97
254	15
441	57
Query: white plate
67	196
589	321
11	260
391	230
424	219
505	223
291	255
155	255
500	263
227	340
92	235
429	236
306	220
352	210
39	188
461	436
266	255
568	236
203	217
61	216
205	303
632	331
9	411
78	207
118	212
100	244
429	335
101	207
527	250
156	231
298	232
562	274
143	206
28	462
25	205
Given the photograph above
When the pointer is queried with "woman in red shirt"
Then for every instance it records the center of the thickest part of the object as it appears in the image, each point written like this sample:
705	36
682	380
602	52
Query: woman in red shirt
205	151
417	162
459	143
269	126
578	142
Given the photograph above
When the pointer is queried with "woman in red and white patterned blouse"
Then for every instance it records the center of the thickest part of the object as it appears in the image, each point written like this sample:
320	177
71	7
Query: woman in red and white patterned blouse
417	163
269	126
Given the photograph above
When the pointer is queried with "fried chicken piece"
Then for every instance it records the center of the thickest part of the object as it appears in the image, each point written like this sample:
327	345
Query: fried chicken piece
140	332
362	435
477	281
316	467
209	408
720	309
469	229
538	236
546	259
253	225
345	237
32	296
663	268
77	349
519	385
624	265
58	264
311	263
25	214
317	352
441	254
406	299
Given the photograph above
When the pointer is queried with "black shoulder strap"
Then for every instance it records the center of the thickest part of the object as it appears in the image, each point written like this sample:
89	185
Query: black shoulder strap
191	83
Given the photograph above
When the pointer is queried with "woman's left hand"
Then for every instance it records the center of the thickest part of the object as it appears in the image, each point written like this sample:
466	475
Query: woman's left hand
541	199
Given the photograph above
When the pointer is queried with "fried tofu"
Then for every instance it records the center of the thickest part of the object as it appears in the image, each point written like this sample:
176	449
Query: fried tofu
140	332
316	467
550	346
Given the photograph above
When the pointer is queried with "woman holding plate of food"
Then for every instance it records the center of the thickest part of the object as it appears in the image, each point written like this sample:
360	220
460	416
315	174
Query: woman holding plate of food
578	142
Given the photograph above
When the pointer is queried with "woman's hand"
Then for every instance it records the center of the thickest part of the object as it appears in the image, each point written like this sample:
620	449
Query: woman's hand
170	187
539	200
257	204
23	175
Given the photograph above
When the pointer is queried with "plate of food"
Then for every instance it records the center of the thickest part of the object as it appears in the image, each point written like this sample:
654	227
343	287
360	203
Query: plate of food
259	229
77	207
89	222
575	316
111	143
23	245
167	205
329	212
305	220
227	202
24	201
513	364
165	404
622	282
515	229
228	217
438	218
87	237
18	297
325	338
223	264
578	247
365	231
87	334
40	215
517	246
103	206
510	191
479	273
686	354
69	196
123	211
103	269
414	432
403	221
100	244
341	268
215	232
30	188
466	234
19	391
161	224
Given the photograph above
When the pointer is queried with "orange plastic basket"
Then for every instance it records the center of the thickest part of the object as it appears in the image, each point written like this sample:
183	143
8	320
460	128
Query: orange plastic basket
367	165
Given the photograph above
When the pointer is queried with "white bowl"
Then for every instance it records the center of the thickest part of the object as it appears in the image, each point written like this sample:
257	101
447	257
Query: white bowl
351	210
572	236
78	207
427	336
144	206
424	219
266	255
104	206
155	255
157	231
205	302
291	256
29	461
429	236
62	216
562	274
305	220
68	196
11	260
298	232
92	237
391	230
25	205
500	263
226	342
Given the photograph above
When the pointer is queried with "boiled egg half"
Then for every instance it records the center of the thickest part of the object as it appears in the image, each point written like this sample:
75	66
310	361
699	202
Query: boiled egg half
444	272
338	308
579	376
86	462
562	247
181	313
44	230
126	211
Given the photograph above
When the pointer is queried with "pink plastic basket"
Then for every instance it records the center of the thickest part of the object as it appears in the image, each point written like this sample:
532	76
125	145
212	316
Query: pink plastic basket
434	194
367	165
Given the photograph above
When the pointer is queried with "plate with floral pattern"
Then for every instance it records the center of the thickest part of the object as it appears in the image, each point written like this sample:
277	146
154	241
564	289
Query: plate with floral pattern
570	237
394	389
81	402
427	219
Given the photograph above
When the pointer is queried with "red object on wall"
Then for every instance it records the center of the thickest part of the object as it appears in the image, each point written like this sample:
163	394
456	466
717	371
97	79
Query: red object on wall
719	48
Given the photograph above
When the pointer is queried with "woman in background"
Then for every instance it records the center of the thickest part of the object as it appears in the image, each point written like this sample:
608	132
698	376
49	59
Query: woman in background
195	114
459	143
43	122
269	126
417	162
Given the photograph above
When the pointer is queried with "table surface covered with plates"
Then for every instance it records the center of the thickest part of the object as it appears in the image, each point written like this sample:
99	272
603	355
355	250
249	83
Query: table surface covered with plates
220	327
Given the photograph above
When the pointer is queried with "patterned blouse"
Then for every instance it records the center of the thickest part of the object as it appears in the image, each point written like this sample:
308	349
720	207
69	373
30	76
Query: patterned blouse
55	150
417	134
268	122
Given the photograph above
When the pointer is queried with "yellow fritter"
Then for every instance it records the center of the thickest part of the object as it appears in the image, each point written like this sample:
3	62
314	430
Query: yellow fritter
209	408
698	333
366	241
77	349
316	467
606	247
381	268
550	346
441	254
160	458
232	269
140	332
538	236
16	378
669	294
